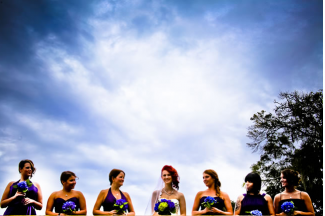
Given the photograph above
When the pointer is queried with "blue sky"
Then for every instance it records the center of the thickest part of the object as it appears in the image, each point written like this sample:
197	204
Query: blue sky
89	86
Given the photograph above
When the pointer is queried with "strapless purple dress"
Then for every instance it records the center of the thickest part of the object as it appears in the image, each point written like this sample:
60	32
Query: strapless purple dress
58	203
110	200
16	207
220	204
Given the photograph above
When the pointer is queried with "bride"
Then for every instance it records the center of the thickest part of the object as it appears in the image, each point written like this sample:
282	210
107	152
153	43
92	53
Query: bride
168	189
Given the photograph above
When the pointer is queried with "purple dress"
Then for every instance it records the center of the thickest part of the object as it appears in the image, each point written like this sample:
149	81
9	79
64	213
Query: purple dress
254	202
16	207
58	203
220	204
110	200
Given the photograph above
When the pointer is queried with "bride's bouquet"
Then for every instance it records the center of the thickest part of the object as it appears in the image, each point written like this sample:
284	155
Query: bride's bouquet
288	207
121	206
209	202
165	207
69	207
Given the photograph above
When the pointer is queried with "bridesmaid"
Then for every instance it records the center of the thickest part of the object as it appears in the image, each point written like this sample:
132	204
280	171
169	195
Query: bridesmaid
301	200
108	197
253	199
223	205
19	203
58	198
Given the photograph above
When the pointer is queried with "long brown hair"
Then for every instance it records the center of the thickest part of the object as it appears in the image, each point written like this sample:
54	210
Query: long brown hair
217	183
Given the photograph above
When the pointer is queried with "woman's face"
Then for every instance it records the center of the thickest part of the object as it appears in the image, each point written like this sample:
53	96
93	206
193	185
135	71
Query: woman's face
207	179
249	186
26	170
166	177
283	181
70	183
119	180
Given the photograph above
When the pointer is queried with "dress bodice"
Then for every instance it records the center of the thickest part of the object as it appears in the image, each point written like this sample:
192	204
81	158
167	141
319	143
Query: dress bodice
16	207
219	204
254	202
298	203
110	200
58	203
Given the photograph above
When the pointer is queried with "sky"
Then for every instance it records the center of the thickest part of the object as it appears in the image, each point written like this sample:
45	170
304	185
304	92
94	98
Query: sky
89	86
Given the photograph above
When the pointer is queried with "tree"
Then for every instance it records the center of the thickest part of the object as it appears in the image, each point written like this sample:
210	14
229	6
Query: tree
292	138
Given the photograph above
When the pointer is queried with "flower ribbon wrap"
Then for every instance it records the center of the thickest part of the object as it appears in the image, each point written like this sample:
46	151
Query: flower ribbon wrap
69	207
23	186
254	212
121	206
288	207
165	207
209	202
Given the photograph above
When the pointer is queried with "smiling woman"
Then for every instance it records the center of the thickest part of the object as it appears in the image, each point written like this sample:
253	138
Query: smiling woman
167	193
221	202
67	201
112	197
23	196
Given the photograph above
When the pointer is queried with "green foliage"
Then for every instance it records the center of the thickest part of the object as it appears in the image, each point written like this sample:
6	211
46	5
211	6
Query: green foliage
292	137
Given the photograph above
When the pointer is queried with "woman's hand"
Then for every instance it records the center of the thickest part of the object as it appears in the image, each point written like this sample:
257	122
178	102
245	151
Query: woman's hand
215	210
206	210
114	212
27	201
18	194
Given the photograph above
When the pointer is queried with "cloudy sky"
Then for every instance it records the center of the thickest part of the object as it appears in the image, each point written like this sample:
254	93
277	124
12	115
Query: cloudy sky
89	86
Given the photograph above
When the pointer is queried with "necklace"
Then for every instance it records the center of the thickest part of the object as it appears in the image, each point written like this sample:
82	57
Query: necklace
168	193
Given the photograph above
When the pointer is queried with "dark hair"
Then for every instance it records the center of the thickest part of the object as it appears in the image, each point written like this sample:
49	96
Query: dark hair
214	175
66	175
174	174
256	180
114	173
291	176
22	164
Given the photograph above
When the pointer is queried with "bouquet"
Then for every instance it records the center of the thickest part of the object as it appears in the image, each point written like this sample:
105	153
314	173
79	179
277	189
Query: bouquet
288	207
209	202
165	207
69	207
121	205
255	212
23	186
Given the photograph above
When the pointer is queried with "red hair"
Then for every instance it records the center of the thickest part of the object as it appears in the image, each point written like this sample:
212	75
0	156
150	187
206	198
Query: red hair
174	174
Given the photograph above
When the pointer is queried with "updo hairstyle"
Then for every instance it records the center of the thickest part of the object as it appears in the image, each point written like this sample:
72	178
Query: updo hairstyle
66	175
174	174
256	180
113	174
292	177
22	164
214	175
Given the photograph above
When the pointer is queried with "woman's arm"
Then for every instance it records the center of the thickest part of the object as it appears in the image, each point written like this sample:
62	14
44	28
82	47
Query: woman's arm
37	203
309	205
276	205
99	201
238	204
227	201
128	199
182	204
5	200
83	206
196	205
268	198
49	205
